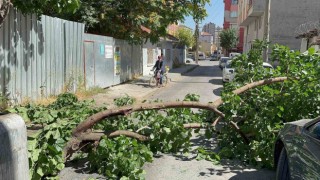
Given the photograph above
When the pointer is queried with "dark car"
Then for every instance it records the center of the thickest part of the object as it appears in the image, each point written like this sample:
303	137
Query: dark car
297	150
213	57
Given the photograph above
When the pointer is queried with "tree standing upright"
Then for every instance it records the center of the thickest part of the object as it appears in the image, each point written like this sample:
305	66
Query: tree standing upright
228	39
198	13
185	37
38	7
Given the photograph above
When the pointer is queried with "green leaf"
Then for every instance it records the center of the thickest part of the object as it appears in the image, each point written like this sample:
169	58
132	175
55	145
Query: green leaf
167	130
311	51
40	172
60	166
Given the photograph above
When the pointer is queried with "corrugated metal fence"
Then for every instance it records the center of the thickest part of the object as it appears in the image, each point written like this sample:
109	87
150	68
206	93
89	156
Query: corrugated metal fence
47	57
110	61
38	57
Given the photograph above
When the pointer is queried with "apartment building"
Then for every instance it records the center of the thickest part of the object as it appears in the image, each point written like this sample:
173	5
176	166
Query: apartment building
206	42
285	17
217	38
231	21
210	28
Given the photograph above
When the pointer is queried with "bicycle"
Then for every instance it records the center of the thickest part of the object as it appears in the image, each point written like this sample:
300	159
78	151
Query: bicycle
153	80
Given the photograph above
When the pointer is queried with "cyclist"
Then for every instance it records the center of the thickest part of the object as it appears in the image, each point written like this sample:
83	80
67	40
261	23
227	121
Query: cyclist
158	70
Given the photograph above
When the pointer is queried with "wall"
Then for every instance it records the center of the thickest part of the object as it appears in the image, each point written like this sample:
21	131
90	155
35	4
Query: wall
47	57
293	13
36	58
110	61
254	30
150	52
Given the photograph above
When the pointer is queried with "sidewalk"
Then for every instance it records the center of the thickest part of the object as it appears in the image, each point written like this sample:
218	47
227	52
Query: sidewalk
139	88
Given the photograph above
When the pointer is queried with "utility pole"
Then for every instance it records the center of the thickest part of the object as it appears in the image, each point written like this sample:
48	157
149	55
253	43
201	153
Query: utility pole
196	36
267	29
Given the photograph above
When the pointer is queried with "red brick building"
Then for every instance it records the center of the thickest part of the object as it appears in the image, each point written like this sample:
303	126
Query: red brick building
231	21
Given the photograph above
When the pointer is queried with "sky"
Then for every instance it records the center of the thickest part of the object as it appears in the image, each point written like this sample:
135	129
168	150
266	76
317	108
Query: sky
215	13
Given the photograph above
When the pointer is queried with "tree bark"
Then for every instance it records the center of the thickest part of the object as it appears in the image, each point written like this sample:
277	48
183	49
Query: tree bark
4	10
79	133
87	124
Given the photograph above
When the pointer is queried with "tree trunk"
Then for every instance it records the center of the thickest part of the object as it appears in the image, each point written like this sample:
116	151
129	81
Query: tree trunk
80	133
4	10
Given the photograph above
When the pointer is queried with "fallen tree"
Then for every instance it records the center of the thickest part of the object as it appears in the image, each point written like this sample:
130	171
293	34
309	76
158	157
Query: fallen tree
82	131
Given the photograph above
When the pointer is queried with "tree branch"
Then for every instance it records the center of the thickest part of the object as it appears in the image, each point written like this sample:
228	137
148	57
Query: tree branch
87	124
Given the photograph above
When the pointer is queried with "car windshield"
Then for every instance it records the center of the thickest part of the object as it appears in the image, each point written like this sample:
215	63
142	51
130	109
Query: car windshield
224	59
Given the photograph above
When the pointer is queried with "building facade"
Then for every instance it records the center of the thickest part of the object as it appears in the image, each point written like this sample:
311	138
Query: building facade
285	17
217	38
210	28
231	21
206	42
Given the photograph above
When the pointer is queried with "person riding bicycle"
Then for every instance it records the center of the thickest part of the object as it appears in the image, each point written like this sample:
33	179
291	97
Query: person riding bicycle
158	70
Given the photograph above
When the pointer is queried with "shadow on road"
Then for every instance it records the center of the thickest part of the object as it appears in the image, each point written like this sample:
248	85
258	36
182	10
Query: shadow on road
205	71
239	172
216	81
217	91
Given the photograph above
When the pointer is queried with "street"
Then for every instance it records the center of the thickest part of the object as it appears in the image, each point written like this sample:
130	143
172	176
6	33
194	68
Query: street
205	80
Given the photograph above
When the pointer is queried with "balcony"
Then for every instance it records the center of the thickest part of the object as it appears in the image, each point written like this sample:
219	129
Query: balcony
255	8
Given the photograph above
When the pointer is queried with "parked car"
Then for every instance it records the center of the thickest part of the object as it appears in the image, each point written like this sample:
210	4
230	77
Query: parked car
233	54
297	150
202	56
267	65
228	72
222	61
213	57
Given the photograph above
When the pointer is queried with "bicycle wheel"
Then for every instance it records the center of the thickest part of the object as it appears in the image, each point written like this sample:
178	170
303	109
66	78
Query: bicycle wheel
152	81
164	80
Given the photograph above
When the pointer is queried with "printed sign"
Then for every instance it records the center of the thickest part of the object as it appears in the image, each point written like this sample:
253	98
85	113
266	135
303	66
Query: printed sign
108	51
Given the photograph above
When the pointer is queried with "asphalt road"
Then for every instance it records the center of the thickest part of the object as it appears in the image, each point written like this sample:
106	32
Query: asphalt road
205	81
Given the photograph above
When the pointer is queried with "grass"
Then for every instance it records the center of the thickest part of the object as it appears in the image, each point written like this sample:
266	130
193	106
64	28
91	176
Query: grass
83	94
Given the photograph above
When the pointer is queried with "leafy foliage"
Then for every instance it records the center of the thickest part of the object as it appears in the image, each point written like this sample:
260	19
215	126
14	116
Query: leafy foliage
117	157
261	112
57	120
46	6
185	37
124	19
228	39
204	154
120	157
125	100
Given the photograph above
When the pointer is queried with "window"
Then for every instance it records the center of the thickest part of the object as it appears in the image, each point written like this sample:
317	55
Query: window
234	1
234	14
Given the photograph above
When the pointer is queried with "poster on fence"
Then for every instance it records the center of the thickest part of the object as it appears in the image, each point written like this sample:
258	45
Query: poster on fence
108	51
117	60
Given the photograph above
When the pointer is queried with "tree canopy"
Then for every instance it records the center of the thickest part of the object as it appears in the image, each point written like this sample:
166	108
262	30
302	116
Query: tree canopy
134	20
228	39
185	37
38	6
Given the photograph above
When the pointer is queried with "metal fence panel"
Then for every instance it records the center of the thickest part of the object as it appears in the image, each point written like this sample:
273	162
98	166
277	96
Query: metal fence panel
34	57
99	60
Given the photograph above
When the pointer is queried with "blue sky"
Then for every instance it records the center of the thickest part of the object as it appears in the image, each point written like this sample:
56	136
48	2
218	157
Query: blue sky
215	13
